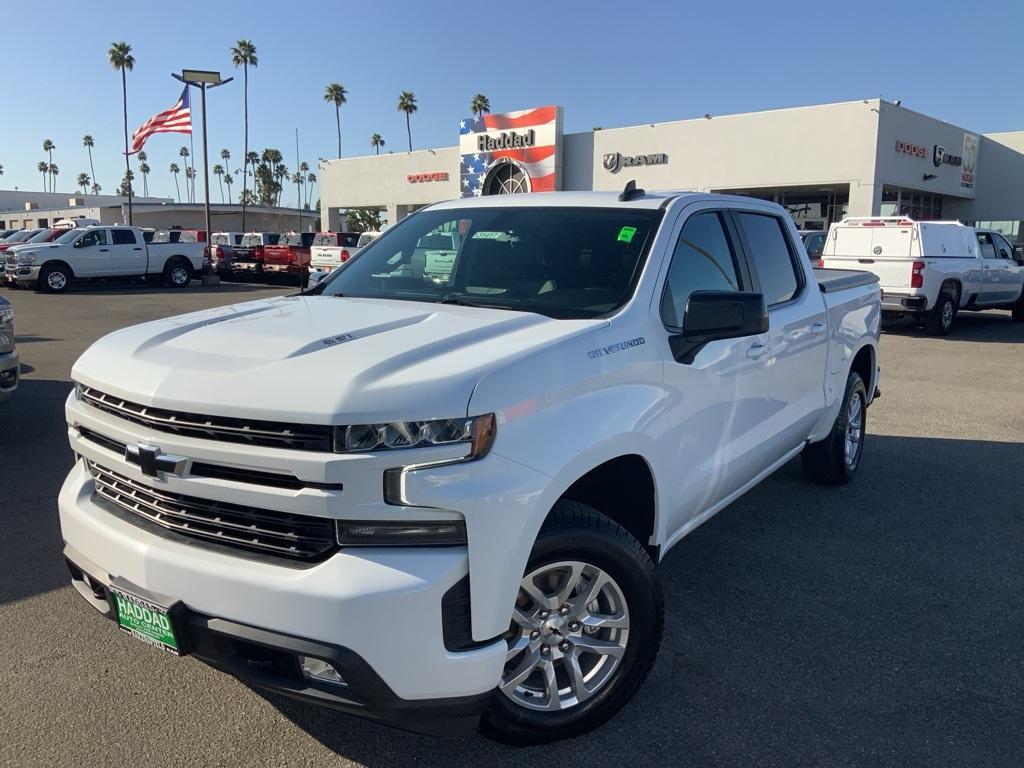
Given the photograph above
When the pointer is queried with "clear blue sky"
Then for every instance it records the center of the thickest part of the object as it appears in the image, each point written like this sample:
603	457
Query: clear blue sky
608	63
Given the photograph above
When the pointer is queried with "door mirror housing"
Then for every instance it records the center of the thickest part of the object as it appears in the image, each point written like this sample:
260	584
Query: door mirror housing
714	315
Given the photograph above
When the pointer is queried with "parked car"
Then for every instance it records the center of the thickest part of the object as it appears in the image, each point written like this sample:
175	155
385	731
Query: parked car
248	257
223	245
332	249
290	254
94	252
931	269
21	236
178	235
814	244
5	233
10	256
9	364
452	520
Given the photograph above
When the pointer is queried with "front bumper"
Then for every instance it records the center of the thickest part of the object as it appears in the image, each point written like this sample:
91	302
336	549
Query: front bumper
22	274
9	374
382	607
271	660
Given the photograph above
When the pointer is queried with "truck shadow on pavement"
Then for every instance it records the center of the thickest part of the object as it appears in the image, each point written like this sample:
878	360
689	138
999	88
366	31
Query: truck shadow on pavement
873	624
989	326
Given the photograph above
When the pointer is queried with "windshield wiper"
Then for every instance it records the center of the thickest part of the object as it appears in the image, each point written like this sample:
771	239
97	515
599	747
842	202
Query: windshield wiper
460	300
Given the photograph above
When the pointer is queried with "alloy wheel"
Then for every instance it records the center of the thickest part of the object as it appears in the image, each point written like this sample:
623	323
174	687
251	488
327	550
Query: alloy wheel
57	281
569	633
854	430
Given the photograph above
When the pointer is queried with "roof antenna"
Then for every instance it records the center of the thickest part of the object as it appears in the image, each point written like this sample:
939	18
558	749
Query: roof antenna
631	191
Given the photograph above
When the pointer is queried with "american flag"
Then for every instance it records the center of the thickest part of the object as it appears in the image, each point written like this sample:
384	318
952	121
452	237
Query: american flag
177	119
538	161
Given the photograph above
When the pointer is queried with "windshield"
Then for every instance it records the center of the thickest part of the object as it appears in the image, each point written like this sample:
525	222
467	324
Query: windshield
560	262
40	237
291	239
220	240
67	237
251	240
21	237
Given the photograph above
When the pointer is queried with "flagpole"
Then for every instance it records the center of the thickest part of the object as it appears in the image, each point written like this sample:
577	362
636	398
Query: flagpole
206	176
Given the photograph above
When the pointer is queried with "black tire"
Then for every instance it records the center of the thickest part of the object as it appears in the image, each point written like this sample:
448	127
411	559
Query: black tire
939	321
578	533
177	273
54	278
1017	310
827	461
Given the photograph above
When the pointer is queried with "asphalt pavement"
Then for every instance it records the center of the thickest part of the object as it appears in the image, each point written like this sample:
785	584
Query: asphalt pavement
877	624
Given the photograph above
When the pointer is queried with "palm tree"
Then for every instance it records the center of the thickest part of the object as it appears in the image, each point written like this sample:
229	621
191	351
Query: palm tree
218	171
44	168
48	147
120	57
225	155
83	182
311	179
336	94
143	158
190	183
243	54
303	170
183	153
174	170
376	142
126	183
407	104
480	105
88	143
96	188
53	170
229	180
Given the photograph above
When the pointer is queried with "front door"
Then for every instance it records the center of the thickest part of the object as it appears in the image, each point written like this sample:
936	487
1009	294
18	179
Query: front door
714	435
92	254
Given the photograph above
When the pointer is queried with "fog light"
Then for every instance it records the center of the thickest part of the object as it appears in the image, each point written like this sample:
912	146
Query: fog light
318	669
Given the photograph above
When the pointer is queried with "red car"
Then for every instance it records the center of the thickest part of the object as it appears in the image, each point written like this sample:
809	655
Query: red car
22	237
290	254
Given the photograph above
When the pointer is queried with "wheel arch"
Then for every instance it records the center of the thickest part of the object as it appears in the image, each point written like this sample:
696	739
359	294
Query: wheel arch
58	262
864	363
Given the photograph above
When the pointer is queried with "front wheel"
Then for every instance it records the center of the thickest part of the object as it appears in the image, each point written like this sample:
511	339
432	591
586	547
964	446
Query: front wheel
54	278
835	459
585	631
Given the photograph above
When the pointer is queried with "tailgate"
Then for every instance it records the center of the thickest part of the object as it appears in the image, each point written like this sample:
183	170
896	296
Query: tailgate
884	251
325	256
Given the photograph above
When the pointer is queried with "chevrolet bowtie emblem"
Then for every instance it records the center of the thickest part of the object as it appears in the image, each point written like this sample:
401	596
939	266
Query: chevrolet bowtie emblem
152	462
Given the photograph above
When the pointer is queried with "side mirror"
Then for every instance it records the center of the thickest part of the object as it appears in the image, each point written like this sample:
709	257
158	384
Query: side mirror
80	242
714	315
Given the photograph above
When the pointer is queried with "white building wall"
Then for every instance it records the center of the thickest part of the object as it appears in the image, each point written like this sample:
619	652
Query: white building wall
1000	189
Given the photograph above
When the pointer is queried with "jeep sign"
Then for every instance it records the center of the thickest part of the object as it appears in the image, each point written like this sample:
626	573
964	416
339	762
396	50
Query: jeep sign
613	162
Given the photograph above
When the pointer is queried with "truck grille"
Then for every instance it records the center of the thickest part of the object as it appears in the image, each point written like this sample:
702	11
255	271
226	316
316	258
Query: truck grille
303	437
298	537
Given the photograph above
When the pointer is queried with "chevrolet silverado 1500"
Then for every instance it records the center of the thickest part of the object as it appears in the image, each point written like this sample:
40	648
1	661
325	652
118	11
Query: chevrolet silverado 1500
454	521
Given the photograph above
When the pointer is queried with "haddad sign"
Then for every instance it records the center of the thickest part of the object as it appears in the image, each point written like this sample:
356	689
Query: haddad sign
615	161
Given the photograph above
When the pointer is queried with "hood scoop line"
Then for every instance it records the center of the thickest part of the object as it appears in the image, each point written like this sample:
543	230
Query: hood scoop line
343	337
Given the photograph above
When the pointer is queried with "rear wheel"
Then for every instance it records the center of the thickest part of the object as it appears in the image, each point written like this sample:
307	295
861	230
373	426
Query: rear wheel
586	628
1017	310
177	273
939	320
835	459
54	278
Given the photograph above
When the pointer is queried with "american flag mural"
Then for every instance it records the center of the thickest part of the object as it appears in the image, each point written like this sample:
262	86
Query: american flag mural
530	140
177	119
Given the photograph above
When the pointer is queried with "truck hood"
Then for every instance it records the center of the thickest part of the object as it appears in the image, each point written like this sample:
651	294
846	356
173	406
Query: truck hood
318	360
31	247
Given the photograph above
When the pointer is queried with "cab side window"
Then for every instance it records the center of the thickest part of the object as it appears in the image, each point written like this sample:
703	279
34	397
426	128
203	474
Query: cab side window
96	237
704	260
987	246
123	236
770	252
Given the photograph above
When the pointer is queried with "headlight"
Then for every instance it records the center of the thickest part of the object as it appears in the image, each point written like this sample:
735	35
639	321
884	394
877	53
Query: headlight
6	316
477	432
26	258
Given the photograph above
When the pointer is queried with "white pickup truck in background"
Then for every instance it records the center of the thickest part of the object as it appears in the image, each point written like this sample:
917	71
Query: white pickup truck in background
105	251
932	269
332	249
491	438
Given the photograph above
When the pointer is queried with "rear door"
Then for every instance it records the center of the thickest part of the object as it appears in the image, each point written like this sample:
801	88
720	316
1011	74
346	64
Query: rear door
715	434
798	331
127	256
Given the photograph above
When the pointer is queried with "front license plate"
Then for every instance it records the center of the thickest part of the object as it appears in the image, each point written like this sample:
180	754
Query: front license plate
146	621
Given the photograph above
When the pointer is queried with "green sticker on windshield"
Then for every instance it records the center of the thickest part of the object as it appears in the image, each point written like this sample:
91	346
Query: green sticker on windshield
626	234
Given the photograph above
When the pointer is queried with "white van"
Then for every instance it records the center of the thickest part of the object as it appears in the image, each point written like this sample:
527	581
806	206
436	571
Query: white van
930	269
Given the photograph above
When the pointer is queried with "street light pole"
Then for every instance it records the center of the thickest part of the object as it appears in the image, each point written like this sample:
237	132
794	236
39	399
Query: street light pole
200	79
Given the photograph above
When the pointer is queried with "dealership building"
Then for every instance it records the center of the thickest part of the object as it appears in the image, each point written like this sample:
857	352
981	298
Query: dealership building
856	158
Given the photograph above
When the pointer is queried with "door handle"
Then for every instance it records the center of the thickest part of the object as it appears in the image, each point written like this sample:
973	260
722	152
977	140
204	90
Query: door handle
136	249
104	250
817	329
756	351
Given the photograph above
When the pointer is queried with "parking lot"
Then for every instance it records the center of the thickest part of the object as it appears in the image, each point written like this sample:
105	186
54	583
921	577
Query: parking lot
879	623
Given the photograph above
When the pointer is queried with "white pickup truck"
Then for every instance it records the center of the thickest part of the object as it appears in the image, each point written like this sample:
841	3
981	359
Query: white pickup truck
332	249
439	500
104	251
930	270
